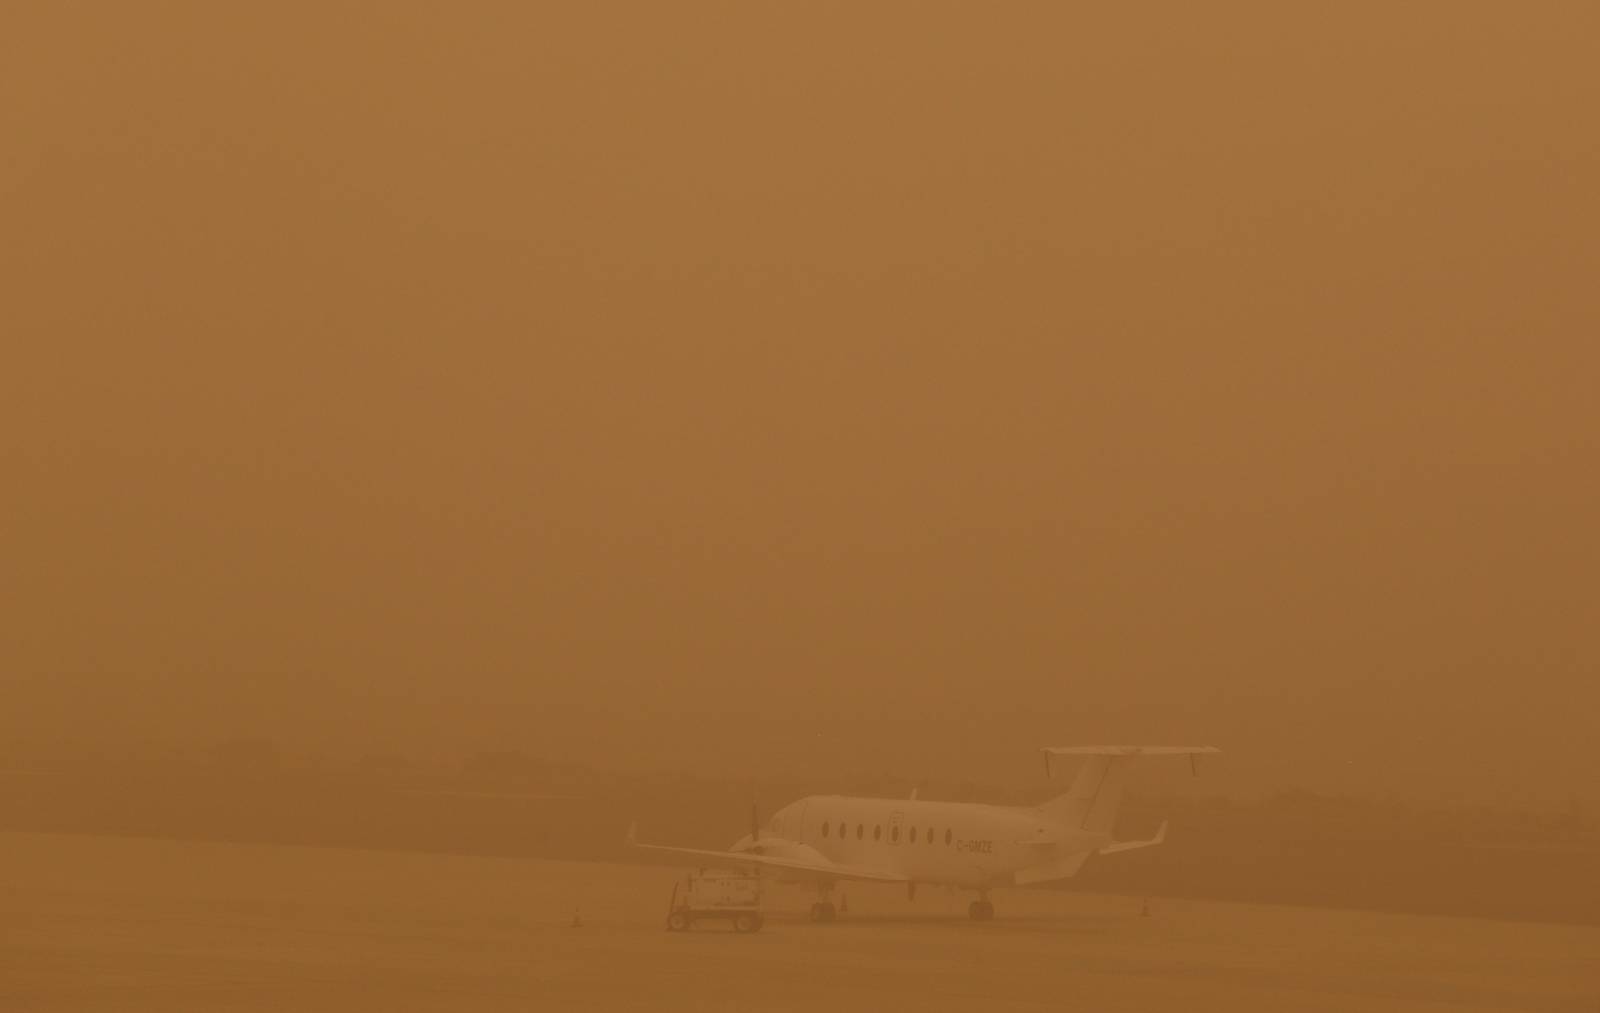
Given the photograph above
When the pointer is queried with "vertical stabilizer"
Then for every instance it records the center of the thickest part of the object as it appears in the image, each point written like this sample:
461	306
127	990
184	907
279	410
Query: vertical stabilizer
1096	793
1091	803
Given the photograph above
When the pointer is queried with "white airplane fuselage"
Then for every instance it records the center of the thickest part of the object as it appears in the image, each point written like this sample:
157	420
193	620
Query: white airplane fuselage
961	844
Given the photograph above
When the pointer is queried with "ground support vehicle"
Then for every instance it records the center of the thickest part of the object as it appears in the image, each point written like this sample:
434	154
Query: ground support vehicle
721	896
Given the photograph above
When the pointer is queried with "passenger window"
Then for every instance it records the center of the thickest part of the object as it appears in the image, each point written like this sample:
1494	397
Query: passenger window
877	832
860	830
894	833
824	829
947	837
930	835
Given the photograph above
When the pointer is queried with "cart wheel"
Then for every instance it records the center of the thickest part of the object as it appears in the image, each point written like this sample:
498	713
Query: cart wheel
677	921
746	923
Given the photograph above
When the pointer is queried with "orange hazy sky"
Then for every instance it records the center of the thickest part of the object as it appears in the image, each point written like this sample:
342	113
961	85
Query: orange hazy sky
815	386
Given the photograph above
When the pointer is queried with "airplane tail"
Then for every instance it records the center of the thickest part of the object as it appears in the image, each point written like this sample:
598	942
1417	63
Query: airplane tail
1091	803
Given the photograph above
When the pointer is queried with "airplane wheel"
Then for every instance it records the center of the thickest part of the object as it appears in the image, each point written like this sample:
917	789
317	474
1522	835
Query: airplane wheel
677	921
980	911
816	912
828	912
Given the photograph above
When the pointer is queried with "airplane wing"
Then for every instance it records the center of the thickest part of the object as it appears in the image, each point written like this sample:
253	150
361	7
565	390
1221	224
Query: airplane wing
806	868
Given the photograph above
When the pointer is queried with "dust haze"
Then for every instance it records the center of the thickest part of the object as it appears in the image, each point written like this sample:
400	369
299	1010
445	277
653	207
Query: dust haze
659	404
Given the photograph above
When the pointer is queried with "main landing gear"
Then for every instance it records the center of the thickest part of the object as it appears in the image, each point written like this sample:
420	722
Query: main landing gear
823	910
981	910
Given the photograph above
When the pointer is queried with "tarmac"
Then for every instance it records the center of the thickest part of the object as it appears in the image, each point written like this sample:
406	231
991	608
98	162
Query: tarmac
127	924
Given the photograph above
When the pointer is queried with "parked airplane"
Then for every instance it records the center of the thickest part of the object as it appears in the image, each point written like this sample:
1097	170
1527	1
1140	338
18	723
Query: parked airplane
825	839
